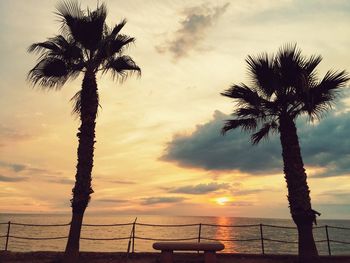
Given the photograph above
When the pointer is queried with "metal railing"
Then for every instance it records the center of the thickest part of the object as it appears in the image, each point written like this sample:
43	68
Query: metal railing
131	245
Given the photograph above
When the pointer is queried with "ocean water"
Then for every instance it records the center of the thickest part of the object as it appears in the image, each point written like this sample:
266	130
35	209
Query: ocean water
231	236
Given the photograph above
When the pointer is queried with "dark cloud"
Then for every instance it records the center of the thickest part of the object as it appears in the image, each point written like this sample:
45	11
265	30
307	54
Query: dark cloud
122	182
13	166
248	192
59	180
193	29
4	178
239	203
162	200
112	200
326	144
199	188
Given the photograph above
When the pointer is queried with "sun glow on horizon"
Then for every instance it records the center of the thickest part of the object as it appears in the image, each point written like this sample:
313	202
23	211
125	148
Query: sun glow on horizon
222	200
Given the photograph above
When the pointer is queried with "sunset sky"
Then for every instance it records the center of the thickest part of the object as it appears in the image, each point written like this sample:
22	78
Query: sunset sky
159	148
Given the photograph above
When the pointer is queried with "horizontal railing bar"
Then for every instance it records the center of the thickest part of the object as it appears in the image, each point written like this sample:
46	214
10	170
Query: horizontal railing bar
320	241
21	224
125	224
165	239
184	225
339	227
340	242
281	241
230	225
38	238
275	226
105	239
229	240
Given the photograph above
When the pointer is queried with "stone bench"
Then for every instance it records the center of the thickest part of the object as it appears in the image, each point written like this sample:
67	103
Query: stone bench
209	249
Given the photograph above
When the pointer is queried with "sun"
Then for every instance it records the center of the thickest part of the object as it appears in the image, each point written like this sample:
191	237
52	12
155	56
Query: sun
222	200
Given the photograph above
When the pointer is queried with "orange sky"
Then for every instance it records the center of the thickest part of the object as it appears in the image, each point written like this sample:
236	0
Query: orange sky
189	52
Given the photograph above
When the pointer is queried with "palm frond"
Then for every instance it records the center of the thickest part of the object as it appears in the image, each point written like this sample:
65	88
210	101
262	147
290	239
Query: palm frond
249	112
264	132
49	72
312	63
245	124
262	73
323	95
87	28
290	65
121	67
245	96
115	31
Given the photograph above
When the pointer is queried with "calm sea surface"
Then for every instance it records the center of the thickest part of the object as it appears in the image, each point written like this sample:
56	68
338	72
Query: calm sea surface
161	232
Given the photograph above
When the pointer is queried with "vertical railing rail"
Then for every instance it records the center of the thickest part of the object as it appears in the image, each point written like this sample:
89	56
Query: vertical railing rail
7	235
262	239
328	244
199	232
133	236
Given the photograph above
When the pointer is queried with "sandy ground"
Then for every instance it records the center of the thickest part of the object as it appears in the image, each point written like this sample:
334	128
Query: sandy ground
94	257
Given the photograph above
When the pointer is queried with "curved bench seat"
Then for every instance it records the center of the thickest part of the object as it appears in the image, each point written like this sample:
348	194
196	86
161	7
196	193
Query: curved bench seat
188	246
209	249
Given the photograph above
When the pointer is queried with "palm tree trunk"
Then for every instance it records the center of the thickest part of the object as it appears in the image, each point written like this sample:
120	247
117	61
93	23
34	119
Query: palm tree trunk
82	188
298	190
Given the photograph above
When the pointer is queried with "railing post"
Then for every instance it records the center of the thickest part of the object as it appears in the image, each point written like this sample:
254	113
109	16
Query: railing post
328	244
133	237
199	232
8	235
262	239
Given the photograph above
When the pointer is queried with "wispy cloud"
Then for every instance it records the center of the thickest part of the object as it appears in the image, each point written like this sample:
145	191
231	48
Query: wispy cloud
4	178
199	188
162	200
112	200
11	134
127	182
194	27
16	167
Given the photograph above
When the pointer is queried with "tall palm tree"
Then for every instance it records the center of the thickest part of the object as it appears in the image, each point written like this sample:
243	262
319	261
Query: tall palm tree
86	45
283	87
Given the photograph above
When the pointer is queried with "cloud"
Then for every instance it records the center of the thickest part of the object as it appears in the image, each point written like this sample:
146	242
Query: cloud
248	192
161	200
122	182
13	166
112	200
325	145
239	203
193	30
4	178
59	180
11	134
199	188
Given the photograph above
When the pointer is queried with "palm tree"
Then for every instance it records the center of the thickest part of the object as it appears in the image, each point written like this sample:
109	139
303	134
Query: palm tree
282	88
86	45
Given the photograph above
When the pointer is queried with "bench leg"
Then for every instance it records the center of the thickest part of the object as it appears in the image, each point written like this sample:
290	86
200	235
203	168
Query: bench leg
166	256
209	257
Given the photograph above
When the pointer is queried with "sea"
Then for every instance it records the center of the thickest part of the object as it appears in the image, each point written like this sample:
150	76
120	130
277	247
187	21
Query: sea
239	235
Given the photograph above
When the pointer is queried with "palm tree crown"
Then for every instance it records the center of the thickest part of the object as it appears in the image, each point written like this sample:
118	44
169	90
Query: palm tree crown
281	85
86	43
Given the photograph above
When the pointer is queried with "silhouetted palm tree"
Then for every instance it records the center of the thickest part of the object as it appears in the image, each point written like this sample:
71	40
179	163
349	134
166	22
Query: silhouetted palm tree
282	88
86	45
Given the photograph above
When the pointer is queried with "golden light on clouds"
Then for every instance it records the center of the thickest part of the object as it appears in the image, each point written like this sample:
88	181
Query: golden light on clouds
222	200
